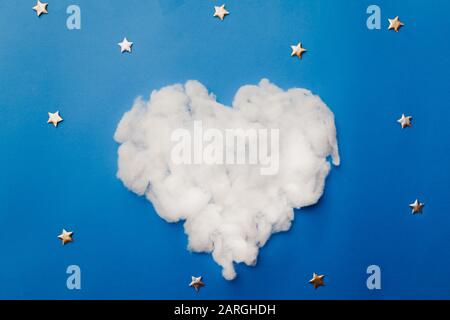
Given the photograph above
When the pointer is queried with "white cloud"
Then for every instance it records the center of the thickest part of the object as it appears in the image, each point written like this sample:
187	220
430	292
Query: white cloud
230	210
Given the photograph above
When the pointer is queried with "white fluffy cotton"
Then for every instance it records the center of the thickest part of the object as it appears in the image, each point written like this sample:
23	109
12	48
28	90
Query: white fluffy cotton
229	210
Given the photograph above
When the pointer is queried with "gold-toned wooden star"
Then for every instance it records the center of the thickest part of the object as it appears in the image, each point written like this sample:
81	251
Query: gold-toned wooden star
54	118
405	121
65	236
40	8
416	206
196	283
125	45
298	50
317	280
395	24
220	12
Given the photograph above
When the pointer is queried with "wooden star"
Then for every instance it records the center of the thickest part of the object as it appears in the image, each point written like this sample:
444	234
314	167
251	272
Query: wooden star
416	207
405	121
65	236
395	24
317	280
54	118
40	8
220	12
196	283
298	50
125	45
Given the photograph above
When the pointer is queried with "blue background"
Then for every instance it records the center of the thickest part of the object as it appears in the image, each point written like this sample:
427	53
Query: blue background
66	177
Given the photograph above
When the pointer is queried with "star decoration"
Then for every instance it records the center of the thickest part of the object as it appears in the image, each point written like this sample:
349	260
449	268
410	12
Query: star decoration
54	118
220	12
298	50
317	280
395	24
416	206
40	8
65	236
125	45
405	121
196	283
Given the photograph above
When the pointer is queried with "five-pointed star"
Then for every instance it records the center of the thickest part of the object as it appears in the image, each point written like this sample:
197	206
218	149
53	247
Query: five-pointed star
125	45
196	283
405	121
416	206
40	8
65	236
317	280
298	50
220	12
395	24
54	118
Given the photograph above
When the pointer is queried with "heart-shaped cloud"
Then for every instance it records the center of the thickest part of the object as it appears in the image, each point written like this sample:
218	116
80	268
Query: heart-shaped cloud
230	208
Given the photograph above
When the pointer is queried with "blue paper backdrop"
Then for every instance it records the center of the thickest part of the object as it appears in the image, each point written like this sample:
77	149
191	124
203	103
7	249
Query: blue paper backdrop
65	177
